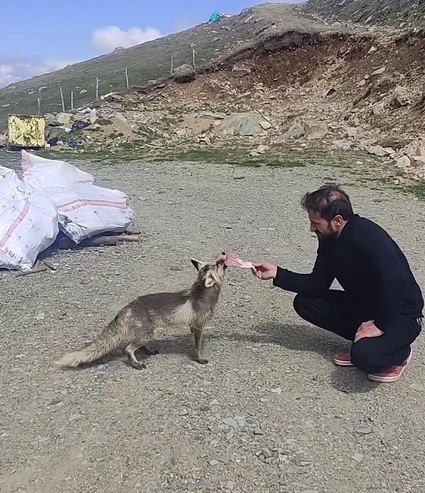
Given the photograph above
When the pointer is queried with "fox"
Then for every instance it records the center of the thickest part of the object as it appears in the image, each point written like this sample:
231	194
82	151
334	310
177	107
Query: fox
135	325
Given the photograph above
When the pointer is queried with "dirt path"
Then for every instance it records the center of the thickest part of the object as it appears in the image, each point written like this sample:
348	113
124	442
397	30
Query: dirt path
269	413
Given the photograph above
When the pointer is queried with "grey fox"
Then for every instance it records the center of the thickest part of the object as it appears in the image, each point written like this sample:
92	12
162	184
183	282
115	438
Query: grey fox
134	326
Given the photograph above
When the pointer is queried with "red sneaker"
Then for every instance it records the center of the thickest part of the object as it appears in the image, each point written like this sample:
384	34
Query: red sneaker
393	373
343	358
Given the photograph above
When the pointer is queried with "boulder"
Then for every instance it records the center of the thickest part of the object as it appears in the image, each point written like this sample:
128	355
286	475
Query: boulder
64	118
315	130
403	162
242	124
400	97
240	70
51	120
380	151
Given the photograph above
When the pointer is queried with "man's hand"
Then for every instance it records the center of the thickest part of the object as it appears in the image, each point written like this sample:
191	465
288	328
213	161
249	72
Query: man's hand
264	270
367	329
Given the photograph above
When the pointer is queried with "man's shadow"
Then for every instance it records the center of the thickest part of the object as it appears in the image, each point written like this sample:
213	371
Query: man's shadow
295	337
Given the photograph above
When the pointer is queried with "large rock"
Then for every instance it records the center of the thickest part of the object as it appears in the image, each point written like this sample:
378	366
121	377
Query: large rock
315	130
400	97
240	70
51	120
65	119
3	140
418	160
243	124
294	132
403	162
381	151
420	151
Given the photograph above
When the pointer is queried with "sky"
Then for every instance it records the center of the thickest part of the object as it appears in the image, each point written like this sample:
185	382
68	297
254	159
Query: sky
37	37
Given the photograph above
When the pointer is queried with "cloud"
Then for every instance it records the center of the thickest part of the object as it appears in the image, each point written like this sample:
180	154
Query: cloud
108	38
14	68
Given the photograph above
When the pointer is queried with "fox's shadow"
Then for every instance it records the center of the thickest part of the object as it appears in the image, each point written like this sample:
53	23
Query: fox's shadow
293	337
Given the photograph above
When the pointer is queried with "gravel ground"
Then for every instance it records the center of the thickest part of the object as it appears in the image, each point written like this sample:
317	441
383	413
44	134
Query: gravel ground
270	412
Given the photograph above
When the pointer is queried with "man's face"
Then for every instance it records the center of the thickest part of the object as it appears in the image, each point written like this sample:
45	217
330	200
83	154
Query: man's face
322	227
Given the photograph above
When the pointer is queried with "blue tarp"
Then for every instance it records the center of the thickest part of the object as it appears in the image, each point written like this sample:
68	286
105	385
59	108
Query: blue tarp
215	17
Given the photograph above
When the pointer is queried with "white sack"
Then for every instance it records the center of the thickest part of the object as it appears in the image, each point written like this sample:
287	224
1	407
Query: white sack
28	225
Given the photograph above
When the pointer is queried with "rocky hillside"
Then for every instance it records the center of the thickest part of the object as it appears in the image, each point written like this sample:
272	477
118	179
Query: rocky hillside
295	86
153	60
395	13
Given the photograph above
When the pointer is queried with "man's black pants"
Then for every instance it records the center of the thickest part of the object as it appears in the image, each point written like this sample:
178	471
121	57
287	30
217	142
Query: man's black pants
335	312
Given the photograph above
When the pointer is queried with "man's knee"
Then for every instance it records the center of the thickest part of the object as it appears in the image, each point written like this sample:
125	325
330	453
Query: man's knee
365	357
301	306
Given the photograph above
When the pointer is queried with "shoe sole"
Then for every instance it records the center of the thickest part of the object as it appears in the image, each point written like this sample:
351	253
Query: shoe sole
378	379
339	362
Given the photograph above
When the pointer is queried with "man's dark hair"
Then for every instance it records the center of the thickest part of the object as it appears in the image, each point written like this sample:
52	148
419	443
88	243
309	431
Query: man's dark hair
329	201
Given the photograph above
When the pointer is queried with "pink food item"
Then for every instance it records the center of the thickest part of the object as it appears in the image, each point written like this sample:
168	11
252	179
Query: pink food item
233	260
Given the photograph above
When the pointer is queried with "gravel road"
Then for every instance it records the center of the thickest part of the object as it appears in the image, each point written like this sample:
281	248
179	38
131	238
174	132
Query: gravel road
269	413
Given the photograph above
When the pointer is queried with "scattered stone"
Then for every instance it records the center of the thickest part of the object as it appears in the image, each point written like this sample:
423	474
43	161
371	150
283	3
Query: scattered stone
257	431
302	462
242	124
379	108
277	390
417	387
315	130
363	429
266	453
230	422
372	50
184	412
418	160
403	162
378	71
51	120
399	97
266	125
40	316
213	462
261	149
357	458
351	132
64	118
380	151
329	92
240	70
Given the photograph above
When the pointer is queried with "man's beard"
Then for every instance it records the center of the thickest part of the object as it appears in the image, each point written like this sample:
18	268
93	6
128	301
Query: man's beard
328	236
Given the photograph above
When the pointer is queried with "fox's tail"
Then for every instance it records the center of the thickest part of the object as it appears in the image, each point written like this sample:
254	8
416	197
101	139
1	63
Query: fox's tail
103	345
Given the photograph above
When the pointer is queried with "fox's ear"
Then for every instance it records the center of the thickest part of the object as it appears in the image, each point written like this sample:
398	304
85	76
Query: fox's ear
197	263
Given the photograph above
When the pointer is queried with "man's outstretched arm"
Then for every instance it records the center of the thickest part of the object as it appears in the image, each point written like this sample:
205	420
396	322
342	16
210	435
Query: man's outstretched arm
314	284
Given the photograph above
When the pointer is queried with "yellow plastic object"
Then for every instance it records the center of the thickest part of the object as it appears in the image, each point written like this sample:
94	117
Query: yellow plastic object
26	131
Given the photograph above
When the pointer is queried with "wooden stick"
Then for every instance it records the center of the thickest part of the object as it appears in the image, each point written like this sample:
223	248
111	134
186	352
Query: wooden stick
34	270
113	240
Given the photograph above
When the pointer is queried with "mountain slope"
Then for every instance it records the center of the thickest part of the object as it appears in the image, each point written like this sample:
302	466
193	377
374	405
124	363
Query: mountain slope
151	60
394	13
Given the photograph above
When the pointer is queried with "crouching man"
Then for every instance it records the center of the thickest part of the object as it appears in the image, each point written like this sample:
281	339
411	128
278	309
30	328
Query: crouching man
380	307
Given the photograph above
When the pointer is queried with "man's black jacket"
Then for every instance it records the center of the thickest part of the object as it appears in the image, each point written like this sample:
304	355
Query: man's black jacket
369	266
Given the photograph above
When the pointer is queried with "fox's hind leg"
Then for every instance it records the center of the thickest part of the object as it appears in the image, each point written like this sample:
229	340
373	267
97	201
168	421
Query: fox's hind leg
130	350
197	334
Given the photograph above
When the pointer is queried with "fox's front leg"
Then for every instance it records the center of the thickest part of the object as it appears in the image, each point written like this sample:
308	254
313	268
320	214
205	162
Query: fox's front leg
197	334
